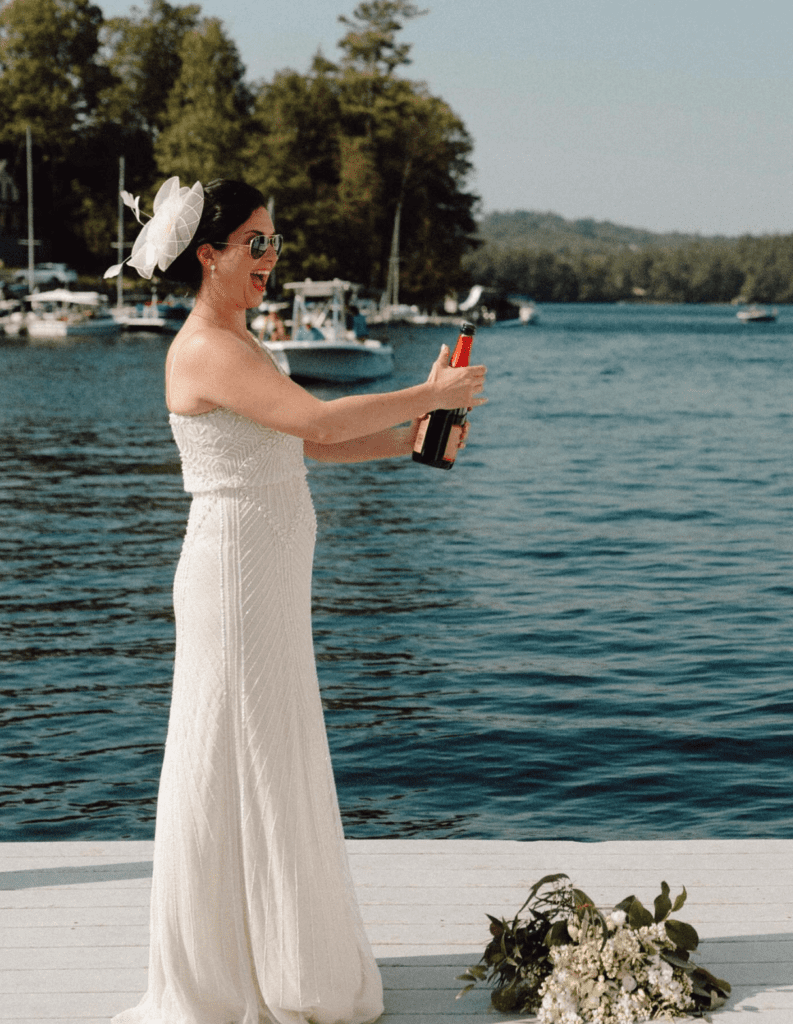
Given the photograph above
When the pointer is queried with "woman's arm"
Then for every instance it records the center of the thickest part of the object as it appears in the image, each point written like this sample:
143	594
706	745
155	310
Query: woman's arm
386	444
217	368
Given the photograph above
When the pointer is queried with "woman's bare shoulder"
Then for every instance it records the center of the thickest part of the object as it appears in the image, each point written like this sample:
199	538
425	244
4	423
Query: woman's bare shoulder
208	345
206	365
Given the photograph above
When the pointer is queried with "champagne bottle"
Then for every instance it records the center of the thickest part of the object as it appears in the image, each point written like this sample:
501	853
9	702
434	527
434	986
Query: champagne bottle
439	431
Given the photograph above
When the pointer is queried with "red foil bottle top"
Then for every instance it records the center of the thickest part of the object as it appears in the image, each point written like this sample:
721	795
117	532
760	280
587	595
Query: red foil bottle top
462	351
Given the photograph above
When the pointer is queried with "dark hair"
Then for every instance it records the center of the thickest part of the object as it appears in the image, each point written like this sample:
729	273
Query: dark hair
227	204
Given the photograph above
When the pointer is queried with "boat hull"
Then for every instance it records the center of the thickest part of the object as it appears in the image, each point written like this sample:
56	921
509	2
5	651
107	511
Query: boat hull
757	315
159	319
44	328
155	324
337	362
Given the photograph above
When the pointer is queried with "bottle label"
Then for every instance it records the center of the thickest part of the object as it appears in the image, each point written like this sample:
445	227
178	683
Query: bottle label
418	444
453	443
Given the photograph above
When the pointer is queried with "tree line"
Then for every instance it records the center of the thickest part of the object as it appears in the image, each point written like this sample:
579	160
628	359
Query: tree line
749	269
337	149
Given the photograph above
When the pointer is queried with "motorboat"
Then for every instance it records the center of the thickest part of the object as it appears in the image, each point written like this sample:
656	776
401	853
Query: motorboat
160	317
757	315
62	314
321	347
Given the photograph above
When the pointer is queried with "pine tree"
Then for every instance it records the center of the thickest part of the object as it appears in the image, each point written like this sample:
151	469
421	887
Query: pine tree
208	108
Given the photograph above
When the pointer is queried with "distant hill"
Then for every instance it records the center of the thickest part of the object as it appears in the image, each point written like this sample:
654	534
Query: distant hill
549	232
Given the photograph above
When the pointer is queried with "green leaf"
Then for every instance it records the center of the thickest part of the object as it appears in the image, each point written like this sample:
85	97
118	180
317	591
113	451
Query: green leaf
663	904
701	974
682	934
582	902
639	916
475	973
678	959
558	934
548	880
663	907
463	990
625	905
679	901
545	880
504	999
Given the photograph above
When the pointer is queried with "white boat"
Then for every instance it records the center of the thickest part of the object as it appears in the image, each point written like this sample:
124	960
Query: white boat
321	347
159	317
757	315
63	314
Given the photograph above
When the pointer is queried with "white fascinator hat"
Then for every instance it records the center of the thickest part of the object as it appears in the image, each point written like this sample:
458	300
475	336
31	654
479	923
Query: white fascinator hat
166	235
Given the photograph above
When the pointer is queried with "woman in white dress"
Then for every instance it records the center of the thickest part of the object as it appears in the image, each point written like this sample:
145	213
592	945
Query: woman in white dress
253	916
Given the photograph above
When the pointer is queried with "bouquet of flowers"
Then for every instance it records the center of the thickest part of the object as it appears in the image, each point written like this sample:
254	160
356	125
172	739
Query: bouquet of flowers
571	964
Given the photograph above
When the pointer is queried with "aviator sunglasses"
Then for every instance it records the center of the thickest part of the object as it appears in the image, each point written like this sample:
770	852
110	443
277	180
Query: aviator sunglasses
259	245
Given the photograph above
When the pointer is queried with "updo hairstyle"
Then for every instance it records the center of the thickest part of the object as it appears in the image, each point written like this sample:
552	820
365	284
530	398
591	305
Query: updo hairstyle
227	205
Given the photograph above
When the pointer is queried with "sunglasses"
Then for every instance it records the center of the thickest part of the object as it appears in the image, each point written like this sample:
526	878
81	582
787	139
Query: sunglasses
259	245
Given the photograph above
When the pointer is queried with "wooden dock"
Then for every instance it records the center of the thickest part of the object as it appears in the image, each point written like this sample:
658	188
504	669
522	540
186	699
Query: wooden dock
74	918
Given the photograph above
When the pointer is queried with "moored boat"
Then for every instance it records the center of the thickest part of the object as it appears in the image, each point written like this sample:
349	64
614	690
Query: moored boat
159	317
757	315
62	314
321	347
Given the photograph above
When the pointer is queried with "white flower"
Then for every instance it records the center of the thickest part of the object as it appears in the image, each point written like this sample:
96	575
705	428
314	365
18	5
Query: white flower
617	917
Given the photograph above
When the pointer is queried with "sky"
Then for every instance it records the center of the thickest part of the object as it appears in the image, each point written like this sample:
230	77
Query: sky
670	115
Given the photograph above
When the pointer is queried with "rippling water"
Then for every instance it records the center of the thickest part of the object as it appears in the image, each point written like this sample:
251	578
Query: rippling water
584	631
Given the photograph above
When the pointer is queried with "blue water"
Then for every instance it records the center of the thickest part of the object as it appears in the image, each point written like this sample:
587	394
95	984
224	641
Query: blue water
583	631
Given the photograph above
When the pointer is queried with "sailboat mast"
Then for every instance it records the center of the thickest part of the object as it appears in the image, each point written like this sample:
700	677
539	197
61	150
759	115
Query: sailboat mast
392	288
392	283
120	278
31	239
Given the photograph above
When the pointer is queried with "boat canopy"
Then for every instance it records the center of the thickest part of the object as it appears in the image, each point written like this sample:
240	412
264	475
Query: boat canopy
63	295
319	289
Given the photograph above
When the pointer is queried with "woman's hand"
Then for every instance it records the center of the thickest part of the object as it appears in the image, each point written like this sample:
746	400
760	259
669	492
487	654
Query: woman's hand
457	387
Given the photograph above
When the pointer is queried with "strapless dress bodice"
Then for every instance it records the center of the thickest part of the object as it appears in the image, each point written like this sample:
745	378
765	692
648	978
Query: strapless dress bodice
222	451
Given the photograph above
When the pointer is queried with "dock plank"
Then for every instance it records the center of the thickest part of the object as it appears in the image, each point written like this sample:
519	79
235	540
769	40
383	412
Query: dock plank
74	918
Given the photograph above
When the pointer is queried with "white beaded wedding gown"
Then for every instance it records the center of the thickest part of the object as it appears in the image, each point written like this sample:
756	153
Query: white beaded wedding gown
254	916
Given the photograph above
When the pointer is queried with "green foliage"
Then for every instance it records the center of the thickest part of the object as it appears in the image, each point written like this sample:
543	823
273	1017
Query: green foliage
51	78
338	149
342	148
370	45
49	72
144	57
555	260
517	958
205	122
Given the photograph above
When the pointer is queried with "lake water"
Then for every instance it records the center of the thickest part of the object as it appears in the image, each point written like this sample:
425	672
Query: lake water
583	631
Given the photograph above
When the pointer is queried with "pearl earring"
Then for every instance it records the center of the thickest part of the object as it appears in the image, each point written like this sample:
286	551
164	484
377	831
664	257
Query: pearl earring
212	268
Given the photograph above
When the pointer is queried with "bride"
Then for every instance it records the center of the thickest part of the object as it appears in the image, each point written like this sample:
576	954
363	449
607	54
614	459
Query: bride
253	912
